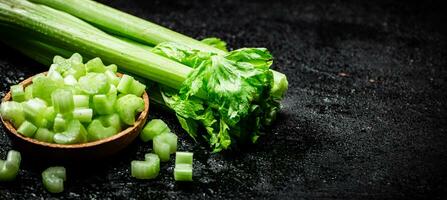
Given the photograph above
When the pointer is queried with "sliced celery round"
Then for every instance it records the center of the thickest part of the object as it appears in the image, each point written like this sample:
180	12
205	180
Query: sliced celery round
183	172
168	138
9	168
13	112
27	129
148	169
125	84
62	101
44	135
153	128
17	93
162	149
96	130
183	158
83	114
128	106
94	83
53	179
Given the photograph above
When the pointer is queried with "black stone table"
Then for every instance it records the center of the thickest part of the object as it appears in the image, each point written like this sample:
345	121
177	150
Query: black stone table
365	115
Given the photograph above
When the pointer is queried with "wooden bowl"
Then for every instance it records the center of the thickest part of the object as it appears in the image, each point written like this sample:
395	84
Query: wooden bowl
85	151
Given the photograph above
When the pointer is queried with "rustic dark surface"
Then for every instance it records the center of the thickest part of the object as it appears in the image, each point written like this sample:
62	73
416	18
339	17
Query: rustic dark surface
365	116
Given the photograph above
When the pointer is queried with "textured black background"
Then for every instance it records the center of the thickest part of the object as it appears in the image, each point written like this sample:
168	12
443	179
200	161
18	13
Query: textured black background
365	116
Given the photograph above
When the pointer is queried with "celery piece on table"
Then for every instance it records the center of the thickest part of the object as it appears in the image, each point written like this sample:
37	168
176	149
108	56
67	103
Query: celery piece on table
53	179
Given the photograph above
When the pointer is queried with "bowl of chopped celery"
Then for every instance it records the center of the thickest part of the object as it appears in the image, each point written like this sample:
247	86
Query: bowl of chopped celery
75	110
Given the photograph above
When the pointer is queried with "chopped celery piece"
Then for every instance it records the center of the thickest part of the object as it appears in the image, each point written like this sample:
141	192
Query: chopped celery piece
112	93
71	66
168	138
112	120
103	105
55	76
14	157
62	101
44	135
148	169
74	134
13	112
125	84
94	83
183	172
97	130
153	128
27	129
8	171
53	179
34	109
60	124
83	114
112	68
128	106
49	114
9	168
95	65
112	78
43	87
162	149
183	158
81	101
151	156
137	88
70	80
29	92
17	93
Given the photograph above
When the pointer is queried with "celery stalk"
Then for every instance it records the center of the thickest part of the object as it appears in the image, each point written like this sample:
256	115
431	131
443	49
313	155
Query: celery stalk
71	32
123	24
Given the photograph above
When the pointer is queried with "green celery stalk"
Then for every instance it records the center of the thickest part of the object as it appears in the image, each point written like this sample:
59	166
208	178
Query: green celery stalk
71	33
121	23
124	24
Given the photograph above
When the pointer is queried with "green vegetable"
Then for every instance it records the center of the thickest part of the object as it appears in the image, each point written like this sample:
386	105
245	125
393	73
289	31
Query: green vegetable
231	96
183	172
75	133
125	84
95	65
34	110
27	129
44	135
137	29
112	78
183	158
17	93
53	179
94	83
81	101
29	92
153	128
70	80
164	145
64	121
13	112
161	149
62	101
216	43
102	128
60	123
183	166
84	115
44	86
128	106
147	169
9	168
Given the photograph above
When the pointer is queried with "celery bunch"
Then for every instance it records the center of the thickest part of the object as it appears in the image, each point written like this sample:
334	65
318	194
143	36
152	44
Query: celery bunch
224	97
